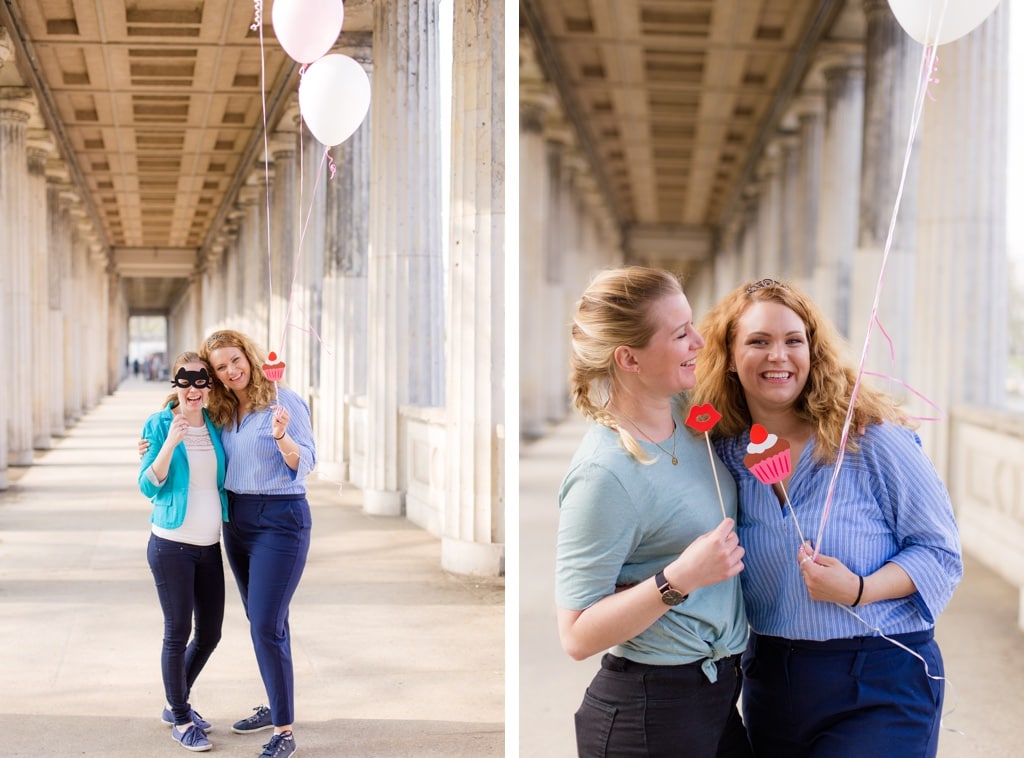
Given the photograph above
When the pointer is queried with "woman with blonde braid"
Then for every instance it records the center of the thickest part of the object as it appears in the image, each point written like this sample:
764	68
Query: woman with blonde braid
646	565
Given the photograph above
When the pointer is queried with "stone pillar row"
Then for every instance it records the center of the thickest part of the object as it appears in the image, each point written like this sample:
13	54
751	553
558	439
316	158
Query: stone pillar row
55	298
944	297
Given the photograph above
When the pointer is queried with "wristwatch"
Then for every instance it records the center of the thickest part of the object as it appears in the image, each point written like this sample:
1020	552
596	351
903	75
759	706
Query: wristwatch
669	596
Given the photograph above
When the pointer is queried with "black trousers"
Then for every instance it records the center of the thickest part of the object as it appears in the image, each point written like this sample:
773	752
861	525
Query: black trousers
190	582
638	710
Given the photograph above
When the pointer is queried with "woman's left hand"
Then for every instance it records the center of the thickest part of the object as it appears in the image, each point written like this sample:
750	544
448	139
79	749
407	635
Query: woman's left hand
827	579
279	423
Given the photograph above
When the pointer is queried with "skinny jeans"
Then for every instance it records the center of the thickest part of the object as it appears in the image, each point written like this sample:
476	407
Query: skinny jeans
845	698
267	541
189	582
637	710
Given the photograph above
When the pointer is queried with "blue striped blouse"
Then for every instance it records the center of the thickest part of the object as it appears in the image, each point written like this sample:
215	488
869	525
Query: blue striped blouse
255	465
888	505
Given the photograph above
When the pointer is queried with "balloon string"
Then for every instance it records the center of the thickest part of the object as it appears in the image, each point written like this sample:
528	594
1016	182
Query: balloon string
927	62
298	255
258	24
927	671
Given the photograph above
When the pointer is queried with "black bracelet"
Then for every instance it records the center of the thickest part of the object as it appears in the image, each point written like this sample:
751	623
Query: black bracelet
860	592
281	437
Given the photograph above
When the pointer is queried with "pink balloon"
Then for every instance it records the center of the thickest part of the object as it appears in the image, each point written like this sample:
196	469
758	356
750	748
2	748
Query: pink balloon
334	96
307	29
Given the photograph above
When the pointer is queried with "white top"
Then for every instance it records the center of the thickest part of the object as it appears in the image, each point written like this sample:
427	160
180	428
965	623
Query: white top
203	515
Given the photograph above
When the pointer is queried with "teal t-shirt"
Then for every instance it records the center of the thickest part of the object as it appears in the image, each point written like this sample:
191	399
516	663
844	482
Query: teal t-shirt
620	522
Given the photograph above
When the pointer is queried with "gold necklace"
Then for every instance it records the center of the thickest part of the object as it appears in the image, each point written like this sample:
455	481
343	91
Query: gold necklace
672	455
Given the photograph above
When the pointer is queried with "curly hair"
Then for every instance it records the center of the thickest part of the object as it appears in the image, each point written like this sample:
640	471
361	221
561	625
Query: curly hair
613	311
223	405
189	356
825	399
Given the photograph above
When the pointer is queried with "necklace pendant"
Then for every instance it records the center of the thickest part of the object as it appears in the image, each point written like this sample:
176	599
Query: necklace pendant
675	461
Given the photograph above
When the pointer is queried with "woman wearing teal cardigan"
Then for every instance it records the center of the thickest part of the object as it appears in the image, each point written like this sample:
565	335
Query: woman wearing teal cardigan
182	474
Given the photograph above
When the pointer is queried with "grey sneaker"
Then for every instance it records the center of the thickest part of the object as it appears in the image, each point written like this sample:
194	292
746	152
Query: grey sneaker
257	722
168	719
280	746
193	739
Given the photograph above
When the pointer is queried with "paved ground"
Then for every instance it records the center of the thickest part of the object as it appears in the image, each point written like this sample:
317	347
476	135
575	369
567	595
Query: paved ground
393	656
982	646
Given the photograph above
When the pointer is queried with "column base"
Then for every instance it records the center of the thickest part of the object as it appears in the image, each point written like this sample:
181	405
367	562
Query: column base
482	559
383	502
335	471
20	458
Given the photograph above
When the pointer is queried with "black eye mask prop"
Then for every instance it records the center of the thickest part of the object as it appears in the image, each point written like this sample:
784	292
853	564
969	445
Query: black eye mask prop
184	379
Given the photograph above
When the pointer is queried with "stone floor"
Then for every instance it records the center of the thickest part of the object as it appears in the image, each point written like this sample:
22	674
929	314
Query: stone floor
393	656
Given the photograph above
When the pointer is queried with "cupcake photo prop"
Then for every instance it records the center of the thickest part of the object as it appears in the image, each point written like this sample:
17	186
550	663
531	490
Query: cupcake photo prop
273	369
768	459
703	418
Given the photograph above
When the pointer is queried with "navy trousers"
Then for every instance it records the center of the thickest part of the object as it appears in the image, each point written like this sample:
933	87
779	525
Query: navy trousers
842	698
266	541
635	710
189	581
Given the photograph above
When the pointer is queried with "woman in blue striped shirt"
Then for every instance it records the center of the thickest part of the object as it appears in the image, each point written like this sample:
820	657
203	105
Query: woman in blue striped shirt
820	679
269	446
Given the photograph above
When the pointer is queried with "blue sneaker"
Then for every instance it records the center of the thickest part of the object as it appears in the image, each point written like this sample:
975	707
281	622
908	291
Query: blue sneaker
193	739
280	746
168	719
257	722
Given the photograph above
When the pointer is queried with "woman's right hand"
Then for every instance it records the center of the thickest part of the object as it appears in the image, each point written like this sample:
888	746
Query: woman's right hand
709	559
143	447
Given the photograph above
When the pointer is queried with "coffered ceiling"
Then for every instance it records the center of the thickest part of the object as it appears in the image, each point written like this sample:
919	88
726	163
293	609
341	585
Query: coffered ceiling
157	110
672	100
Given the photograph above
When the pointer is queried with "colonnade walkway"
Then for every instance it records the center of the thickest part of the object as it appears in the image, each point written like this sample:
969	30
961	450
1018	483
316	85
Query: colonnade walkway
982	647
393	656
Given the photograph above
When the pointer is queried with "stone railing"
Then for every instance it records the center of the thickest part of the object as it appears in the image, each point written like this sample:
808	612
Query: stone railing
986	483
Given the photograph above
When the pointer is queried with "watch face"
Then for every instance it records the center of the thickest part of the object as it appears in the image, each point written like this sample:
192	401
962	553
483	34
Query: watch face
672	597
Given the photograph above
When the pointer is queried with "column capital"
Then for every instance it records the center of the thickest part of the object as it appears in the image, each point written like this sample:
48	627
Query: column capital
6	48
17	104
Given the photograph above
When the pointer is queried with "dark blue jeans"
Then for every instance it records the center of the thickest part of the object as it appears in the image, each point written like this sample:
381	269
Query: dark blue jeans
636	710
190	582
842	698
266	541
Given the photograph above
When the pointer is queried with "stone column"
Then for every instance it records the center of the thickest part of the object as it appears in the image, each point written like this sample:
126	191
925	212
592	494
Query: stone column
769	216
892	59
474	512
284	239
16	107
406	317
960	340
533	222
41	343
248	264
346	249
789	211
564	167
840	185
808	192
59	261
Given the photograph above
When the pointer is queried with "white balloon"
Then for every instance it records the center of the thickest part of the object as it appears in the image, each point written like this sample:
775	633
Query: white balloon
920	18
307	29
334	96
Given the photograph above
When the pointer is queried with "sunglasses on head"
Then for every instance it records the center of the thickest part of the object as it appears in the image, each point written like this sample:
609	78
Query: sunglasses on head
184	379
